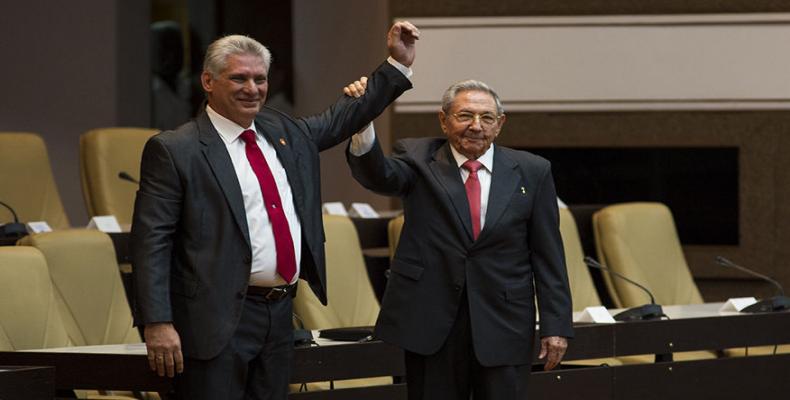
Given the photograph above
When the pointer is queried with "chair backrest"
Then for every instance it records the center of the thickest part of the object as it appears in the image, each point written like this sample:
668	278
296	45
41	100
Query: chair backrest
352	301
29	316
27	182
88	286
103	154
583	290
639	240
394	228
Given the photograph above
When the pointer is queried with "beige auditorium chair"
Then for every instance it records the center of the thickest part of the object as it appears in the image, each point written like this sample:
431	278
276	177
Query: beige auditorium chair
89	290
29	315
639	240
352	302
104	153
394	228
27	182
29	312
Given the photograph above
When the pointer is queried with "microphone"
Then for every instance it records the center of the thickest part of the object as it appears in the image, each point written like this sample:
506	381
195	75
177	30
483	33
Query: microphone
641	313
777	303
125	176
12	230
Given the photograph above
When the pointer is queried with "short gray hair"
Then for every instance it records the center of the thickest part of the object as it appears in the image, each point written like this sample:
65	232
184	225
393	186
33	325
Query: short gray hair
218	52
469	85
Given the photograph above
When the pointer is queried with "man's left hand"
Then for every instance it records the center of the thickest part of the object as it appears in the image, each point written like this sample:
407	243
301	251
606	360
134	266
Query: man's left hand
400	42
554	347
357	88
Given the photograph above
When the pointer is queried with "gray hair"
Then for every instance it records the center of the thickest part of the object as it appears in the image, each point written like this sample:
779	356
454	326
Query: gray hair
469	85
218	52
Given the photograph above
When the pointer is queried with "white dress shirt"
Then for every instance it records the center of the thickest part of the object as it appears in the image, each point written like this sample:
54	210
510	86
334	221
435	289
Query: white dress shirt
362	143
264	255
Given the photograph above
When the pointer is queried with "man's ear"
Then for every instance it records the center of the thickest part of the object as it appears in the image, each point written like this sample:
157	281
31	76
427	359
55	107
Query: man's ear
443	121
500	124
207	81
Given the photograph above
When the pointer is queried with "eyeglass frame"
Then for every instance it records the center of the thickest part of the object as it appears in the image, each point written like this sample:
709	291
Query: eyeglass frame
478	118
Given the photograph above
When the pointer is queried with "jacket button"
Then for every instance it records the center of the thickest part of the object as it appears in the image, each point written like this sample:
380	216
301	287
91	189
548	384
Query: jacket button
457	288
247	259
240	294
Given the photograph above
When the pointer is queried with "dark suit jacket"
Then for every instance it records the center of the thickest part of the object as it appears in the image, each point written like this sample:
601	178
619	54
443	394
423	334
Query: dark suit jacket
190	241
518	254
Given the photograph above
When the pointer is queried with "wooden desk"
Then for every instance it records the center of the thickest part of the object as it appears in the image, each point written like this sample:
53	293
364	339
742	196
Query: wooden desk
698	327
27	383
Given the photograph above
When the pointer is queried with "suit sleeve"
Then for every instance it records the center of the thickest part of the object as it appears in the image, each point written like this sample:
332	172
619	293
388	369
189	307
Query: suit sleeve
349	115
548	261
156	211
386	176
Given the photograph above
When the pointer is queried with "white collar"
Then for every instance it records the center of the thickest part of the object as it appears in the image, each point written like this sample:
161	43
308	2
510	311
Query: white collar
487	159
227	129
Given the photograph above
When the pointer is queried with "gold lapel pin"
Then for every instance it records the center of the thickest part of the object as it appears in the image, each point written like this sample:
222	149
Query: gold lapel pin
523	190
282	141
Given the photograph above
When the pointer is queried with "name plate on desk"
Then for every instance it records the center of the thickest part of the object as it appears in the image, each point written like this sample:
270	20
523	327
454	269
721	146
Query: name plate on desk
737	304
598	315
363	210
105	223
38	227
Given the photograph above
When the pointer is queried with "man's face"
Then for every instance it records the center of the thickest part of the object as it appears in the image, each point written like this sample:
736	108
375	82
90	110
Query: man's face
239	91
472	123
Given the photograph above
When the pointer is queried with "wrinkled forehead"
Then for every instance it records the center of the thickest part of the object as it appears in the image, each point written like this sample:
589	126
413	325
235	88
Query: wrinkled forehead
474	101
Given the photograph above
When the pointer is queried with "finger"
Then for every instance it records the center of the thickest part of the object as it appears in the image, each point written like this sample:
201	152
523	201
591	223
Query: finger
160	364
411	29
179	358
152	361
364	81
170	365
347	91
543	349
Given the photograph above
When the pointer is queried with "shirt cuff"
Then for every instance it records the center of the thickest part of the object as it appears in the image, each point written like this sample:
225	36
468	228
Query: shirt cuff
406	71
363	141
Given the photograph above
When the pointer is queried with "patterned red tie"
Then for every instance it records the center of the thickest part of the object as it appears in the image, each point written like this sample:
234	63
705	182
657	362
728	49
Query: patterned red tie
283	242
473	193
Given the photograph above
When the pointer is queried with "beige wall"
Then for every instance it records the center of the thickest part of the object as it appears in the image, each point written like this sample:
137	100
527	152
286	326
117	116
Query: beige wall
69	67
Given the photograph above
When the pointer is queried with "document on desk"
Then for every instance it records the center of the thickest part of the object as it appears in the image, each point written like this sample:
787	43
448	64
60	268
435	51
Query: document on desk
132	348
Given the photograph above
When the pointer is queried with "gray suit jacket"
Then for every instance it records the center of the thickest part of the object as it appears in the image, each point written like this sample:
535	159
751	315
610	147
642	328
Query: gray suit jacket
191	251
517	255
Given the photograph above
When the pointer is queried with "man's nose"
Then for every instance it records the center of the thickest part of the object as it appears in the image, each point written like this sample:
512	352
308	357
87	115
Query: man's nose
476	124
249	86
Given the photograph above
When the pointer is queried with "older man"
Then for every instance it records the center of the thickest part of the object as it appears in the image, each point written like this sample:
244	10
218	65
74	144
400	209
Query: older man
480	240
228	217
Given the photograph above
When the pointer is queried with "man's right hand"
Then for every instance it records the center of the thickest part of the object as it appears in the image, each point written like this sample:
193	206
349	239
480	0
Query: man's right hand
164	349
400	42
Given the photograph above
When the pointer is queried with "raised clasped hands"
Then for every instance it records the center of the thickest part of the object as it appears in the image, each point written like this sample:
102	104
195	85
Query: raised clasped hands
401	40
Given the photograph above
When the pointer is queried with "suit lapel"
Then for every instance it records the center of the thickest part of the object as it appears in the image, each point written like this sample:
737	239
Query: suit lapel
219	160
504	181
275	134
445	170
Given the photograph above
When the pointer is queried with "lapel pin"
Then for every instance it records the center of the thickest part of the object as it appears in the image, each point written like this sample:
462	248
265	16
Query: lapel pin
523	191
282	141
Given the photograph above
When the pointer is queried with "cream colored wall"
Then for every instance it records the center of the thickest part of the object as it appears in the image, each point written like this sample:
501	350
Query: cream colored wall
602	63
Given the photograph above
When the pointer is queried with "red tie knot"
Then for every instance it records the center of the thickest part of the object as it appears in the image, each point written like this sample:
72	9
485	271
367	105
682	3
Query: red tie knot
472	165
248	136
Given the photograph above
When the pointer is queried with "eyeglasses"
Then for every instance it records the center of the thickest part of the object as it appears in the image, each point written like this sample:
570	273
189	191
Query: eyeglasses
486	120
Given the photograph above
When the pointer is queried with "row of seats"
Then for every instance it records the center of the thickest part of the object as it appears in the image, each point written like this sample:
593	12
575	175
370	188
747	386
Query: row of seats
29	186
63	289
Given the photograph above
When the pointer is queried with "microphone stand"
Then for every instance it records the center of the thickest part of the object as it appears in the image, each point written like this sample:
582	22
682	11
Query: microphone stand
12	230
640	313
777	303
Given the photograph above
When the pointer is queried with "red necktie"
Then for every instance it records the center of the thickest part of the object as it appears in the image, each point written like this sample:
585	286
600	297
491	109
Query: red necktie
283	243
473	193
